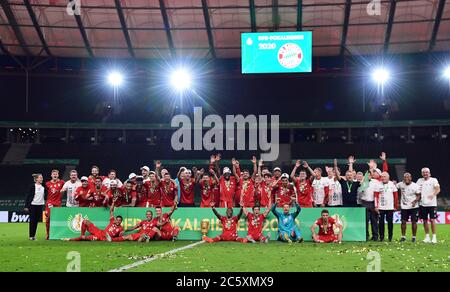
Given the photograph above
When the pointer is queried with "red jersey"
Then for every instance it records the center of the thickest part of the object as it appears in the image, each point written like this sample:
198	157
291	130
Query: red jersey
83	196
163	223
229	226
304	192
284	193
207	191
54	192
141	192
128	196
112	229
227	191
91	179
98	196
154	193
187	191
326	230
168	193
255	224
146	225
247	192
263	194
116	193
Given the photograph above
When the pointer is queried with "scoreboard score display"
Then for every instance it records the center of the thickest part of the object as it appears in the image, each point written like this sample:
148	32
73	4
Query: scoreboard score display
276	52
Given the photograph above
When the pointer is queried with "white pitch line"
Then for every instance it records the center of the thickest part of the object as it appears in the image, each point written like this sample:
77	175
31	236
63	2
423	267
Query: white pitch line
158	256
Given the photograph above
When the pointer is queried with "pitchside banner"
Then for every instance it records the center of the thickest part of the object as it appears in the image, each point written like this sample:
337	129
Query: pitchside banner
276	52
66	222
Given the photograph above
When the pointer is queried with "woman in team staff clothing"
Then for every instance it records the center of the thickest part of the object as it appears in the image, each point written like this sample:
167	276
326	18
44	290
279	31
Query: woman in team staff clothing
303	187
54	187
386	202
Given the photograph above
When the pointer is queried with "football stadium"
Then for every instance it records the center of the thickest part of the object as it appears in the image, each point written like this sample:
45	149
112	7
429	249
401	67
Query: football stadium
225	136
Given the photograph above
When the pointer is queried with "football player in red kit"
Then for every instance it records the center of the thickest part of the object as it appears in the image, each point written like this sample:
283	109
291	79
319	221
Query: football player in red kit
83	194
54	187
141	191
169	191
163	223
129	195
303	187
115	194
255	222
98	192
207	188
246	189
146	230
154	190
284	191
187	184
95	172
113	230
263	190
229	226
326	226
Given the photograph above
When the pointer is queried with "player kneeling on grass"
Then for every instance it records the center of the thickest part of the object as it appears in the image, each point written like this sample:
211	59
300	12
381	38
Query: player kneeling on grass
113	230
163	223
229	226
255	224
326	226
287	229
147	230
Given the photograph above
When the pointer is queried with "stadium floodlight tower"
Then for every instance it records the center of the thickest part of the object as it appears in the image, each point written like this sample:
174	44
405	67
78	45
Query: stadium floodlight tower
181	79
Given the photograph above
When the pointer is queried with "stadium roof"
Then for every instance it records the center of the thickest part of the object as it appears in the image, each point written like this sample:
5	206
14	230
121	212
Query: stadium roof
211	28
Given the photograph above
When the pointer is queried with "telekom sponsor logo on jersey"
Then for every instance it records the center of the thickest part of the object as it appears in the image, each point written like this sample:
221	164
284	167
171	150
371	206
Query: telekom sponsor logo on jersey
235	129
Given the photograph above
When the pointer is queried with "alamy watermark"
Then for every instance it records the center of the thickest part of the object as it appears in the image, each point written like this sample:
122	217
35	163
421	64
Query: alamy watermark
74	259
374	261
374	8
234	130
74	7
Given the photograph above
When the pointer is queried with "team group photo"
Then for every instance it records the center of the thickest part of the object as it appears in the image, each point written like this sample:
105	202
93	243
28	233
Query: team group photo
209	137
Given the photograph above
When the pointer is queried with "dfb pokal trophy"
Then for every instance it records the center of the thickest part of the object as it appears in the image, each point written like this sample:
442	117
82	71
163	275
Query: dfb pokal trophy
204	227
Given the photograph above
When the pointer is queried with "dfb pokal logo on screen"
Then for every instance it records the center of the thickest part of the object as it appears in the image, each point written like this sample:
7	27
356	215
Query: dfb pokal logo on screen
290	56
235	128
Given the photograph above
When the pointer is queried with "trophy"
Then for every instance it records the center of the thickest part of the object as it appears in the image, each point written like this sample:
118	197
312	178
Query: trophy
204	226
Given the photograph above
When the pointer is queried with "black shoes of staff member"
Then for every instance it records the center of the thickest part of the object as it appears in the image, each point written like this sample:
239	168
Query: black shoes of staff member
403	239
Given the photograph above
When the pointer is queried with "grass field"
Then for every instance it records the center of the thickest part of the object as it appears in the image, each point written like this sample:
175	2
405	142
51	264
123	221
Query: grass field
17	253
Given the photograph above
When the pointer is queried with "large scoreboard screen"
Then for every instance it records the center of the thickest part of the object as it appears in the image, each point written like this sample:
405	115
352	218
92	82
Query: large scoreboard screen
276	52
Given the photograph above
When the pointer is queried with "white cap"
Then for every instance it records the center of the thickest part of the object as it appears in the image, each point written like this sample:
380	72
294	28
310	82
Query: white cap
84	178
132	175
113	182
277	169
226	170
377	170
188	171
285	175
145	167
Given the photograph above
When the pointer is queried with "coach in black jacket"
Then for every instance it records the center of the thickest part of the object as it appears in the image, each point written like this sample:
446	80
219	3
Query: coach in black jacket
35	202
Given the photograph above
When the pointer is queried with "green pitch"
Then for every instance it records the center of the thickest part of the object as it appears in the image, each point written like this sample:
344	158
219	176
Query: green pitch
17	253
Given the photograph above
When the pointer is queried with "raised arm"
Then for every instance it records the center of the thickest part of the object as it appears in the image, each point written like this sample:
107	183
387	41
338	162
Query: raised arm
260	165
158	170
294	170
297	206
240	213
215	211
311	171
351	162
111	209
255	166
385	164
274	209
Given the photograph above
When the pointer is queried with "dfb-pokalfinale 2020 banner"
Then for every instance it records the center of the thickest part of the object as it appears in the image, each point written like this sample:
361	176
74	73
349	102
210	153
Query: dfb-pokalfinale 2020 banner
66	222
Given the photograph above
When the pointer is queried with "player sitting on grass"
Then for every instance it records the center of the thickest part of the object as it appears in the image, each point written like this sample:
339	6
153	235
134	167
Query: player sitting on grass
229	226
163	223
255	224
326	226
147	230
287	229
113	230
